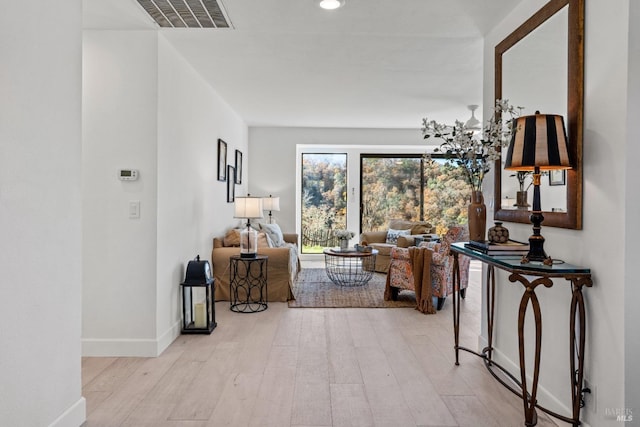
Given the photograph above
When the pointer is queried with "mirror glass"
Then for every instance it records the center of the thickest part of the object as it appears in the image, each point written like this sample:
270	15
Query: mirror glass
533	84
539	67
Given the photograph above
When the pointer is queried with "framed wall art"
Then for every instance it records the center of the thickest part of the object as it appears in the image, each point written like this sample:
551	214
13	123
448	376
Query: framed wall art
231	184
238	176
222	160
557	177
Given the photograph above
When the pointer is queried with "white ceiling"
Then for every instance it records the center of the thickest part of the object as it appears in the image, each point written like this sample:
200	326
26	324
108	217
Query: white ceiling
370	64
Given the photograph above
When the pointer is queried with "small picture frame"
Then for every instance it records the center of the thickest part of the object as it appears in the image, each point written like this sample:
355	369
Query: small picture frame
557	177
222	160
238	176
231	184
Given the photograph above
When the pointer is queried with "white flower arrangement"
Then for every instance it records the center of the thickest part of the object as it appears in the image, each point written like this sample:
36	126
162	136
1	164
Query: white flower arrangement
475	155
344	234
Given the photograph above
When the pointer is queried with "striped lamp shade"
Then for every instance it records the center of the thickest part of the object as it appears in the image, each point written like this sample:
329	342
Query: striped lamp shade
538	140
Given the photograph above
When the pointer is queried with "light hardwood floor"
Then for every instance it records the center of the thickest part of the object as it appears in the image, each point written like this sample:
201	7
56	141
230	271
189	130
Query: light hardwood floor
308	367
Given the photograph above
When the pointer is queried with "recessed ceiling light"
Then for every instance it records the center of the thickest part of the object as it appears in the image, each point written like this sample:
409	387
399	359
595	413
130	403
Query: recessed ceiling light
331	4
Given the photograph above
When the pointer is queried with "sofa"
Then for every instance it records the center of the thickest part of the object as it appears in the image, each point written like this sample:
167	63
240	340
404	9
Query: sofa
283	264
400	233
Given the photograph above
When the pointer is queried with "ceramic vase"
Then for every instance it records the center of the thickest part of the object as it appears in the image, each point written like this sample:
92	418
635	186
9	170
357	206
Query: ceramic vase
477	217
498	233
521	200
344	244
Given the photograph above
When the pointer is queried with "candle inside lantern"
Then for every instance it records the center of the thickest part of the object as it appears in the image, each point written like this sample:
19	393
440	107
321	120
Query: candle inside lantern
200	315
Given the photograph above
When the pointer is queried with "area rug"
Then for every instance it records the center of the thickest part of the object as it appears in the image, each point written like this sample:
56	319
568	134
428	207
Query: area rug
314	289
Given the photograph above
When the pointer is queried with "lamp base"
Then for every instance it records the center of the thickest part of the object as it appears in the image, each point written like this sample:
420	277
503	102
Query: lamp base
248	255
536	248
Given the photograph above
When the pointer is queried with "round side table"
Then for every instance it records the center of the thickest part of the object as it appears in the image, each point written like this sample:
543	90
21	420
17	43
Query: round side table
248	284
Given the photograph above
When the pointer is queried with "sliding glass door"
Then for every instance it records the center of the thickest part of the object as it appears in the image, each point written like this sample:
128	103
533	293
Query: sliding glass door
390	187
413	188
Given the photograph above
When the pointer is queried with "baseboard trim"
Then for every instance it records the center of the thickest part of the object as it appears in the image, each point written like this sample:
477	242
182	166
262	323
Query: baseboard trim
168	337
548	399
126	347
74	416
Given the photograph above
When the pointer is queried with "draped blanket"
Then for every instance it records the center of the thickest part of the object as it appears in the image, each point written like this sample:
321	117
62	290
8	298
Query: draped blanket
419	270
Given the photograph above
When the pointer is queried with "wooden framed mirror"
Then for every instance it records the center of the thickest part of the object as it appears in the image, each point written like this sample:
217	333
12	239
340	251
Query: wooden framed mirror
534	66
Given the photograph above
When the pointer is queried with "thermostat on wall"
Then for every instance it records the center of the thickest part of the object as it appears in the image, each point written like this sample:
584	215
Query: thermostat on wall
128	174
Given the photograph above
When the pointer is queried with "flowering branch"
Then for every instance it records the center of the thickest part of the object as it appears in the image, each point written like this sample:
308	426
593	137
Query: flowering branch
474	155
522	176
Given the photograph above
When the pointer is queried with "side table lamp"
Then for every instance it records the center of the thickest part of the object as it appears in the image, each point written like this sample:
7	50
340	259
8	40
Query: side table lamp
250	208
538	143
271	204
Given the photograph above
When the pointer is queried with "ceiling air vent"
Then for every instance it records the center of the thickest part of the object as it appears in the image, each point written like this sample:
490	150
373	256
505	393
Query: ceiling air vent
187	13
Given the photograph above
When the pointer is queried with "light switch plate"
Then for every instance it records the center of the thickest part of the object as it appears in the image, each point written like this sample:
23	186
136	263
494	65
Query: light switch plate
134	209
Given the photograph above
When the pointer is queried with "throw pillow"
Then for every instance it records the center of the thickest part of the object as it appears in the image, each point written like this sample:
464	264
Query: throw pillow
274	233
232	238
263	241
392	235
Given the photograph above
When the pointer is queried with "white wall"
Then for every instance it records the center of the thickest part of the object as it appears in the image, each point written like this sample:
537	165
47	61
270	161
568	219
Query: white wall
144	107
40	214
192	204
600	245
119	104
632	226
273	150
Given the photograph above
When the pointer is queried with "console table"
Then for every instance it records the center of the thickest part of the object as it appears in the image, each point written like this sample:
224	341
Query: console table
530	275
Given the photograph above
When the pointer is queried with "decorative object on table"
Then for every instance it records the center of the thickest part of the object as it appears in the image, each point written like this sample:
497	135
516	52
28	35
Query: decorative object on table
498	233
539	142
198	310
249	208
522	194
477	216
222	160
510	247
238	175
522	198
271	204
344	236
363	248
231	185
474	155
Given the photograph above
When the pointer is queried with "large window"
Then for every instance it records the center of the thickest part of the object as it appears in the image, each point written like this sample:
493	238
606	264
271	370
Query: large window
413	188
324	199
341	187
390	187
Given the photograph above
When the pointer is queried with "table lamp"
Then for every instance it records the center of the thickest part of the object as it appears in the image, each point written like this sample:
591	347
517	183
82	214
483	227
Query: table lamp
250	208
538	143
271	204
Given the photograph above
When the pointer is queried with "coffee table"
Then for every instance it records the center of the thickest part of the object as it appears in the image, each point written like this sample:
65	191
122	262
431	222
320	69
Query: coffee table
349	267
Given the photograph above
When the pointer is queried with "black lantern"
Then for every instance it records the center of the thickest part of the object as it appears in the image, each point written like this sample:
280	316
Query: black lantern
198	309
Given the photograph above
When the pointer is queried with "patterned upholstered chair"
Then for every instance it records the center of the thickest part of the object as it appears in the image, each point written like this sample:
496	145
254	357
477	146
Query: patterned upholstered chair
401	274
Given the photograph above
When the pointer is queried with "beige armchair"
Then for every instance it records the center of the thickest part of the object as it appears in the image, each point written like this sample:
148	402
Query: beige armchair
379	240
